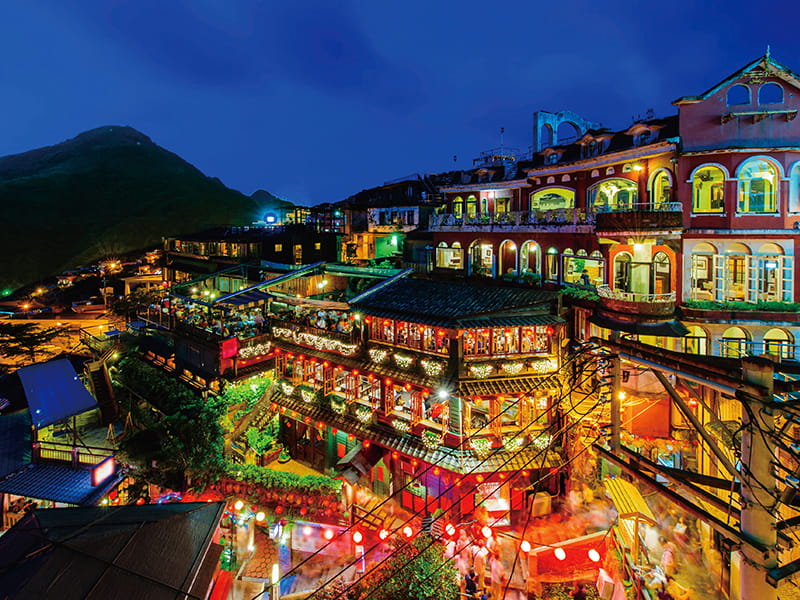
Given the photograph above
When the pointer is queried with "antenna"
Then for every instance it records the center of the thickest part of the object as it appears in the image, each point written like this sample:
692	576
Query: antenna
502	131
455	158
767	50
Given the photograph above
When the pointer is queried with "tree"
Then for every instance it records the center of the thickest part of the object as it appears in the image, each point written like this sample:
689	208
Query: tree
416	571
23	339
126	306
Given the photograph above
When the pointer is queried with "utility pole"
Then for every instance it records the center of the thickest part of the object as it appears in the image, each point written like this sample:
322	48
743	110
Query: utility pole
759	514
616	403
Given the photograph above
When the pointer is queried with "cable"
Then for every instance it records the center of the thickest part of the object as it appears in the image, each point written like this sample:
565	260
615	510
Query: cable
450	487
539	385
441	565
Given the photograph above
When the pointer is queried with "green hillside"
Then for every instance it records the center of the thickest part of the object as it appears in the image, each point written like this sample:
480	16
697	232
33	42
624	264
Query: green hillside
107	191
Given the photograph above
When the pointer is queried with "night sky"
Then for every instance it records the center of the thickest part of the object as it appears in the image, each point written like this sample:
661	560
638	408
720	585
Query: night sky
316	100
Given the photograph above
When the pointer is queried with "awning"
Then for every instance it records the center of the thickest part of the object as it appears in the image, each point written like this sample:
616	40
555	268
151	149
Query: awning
246	298
54	392
671	328
628	501
359	461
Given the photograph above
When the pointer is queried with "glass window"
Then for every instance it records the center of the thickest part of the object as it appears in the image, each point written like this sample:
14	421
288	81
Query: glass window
696	341
757	187
734	343
613	195
778	342
708	190
449	258
502	205
552	198
534	340
458	207
472	207
622	272
661	189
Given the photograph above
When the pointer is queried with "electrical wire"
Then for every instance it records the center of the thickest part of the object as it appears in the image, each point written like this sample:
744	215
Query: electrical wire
545	450
541	384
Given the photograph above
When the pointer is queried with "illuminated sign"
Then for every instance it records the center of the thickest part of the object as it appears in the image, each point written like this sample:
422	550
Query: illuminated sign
103	471
229	348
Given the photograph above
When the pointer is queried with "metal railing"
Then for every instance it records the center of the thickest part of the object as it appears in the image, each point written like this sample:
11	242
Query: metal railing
559	216
640	207
732	348
604	291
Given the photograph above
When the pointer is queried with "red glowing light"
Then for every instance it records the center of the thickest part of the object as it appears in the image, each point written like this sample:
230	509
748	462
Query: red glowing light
366	444
350	437
450	529
436	470
387	381
357	537
594	555
307	420
328	534
383	534
325	363
560	554
525	546
407	531
479	478
486	531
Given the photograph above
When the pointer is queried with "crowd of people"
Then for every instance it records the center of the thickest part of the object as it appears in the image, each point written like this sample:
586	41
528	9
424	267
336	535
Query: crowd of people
319	318
241	322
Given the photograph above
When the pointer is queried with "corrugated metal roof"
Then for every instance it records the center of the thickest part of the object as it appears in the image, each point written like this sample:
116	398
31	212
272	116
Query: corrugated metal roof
126	552
57	483
54	392
511	385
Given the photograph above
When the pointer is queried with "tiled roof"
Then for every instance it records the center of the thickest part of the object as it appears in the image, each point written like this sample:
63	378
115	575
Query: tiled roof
446	302
57	483
511	385
158	552
454	460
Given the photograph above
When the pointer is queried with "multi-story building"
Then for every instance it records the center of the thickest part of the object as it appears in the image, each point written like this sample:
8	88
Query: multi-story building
388	378
696	212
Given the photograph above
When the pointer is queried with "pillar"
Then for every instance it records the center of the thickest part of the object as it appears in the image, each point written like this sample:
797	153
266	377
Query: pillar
759	519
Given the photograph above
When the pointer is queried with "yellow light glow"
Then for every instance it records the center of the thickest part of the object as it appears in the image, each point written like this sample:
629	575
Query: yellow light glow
621	395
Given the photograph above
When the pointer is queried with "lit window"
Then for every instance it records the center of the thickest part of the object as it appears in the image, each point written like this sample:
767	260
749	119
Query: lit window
613	195
708	190
757	187
661	189
278	247
317	246
552	198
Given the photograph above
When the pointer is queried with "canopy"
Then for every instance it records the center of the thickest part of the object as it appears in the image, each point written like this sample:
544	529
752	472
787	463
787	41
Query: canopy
54	392
245	298
628	501
669	328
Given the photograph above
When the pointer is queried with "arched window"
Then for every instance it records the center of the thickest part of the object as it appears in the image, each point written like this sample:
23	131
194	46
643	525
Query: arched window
551	264
770	272
702	272
660	188
735	269
661	274
458	207
613	195
758	187
734	343
552	198
708	190
529	260
449	258
472	207
770	93
738	94
780	343
622	272
794	188
481	259
696	341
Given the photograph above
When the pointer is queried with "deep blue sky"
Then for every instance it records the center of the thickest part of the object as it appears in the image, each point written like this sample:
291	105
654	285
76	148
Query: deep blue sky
316	100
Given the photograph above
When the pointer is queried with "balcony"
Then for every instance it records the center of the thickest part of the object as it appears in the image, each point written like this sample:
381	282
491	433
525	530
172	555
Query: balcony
562	219
667	216
635	302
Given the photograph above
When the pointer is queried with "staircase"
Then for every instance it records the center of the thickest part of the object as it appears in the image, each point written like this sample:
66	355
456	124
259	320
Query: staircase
97	373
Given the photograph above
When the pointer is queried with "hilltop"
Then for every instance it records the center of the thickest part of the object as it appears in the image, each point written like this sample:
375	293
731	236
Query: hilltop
104	192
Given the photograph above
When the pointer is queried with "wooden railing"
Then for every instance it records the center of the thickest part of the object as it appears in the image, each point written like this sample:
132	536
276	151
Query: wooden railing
75	456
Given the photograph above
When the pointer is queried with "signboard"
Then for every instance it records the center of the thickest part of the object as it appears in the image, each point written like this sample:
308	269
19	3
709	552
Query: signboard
103	470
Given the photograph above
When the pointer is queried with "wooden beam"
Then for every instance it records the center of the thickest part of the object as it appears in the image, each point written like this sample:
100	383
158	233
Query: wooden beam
686	504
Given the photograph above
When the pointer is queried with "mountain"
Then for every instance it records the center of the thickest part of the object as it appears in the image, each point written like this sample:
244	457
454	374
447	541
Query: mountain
105	192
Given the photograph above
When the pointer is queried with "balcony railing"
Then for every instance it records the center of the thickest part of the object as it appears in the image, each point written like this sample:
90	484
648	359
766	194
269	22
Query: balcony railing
555	217
641	207
627	217
66	454
636	302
